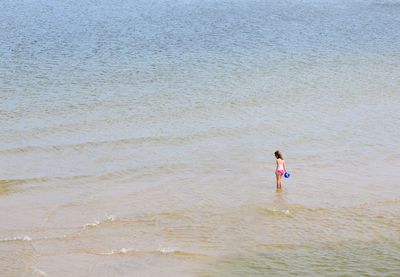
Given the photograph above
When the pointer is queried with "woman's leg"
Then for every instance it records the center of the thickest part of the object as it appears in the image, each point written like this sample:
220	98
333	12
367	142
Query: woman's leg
277	180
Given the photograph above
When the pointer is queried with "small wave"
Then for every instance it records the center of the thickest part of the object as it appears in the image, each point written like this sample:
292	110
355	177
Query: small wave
178	253
119	252
166	250
10	182
160	251
275	211
80	146
88	144
39	272
24	238
109	218
279	247
392	157
17	185
387	4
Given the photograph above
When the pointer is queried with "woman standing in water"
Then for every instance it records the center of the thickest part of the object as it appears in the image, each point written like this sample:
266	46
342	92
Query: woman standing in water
280	169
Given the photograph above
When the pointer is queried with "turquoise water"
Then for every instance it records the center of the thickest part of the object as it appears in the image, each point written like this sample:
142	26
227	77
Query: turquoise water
138	138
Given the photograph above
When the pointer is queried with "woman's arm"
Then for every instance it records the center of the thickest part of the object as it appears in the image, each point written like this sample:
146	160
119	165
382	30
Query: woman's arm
284	166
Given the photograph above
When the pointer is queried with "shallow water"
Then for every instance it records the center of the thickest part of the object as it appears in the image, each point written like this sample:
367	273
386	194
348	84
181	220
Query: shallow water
138	138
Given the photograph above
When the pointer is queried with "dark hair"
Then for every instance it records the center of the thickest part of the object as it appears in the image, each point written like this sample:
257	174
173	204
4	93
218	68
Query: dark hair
278	154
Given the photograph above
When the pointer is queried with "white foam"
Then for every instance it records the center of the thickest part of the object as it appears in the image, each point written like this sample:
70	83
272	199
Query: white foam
286	212
109	218
39	272
89	225
163	250
166	250
120	251
124	250
24	238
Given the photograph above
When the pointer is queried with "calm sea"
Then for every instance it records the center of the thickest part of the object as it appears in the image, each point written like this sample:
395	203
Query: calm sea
137	137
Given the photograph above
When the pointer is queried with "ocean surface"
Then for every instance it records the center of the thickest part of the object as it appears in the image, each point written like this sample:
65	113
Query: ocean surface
137	138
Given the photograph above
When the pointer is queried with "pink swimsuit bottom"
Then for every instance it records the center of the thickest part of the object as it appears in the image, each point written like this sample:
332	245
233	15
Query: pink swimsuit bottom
280	171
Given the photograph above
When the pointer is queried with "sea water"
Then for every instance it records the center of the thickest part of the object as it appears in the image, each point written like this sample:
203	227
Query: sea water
137	137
